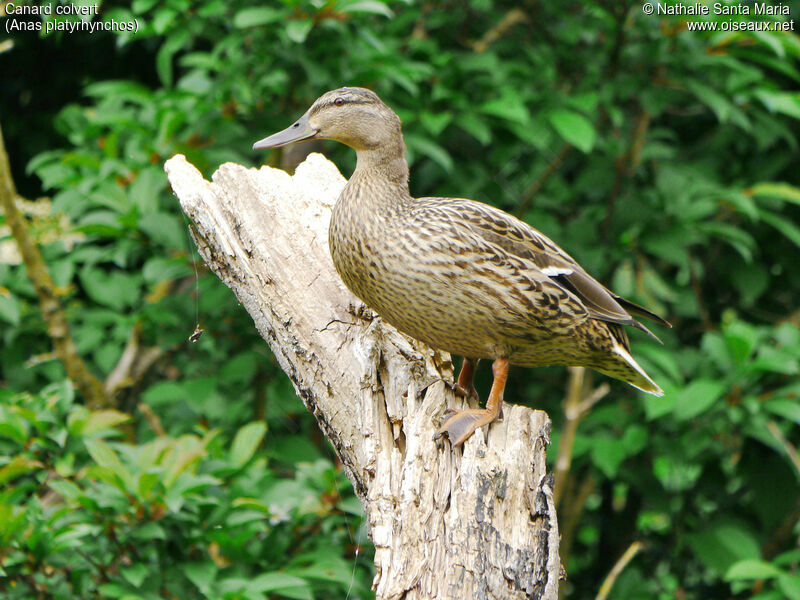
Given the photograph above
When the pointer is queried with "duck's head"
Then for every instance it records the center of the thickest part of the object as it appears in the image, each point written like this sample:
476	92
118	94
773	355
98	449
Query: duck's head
350	115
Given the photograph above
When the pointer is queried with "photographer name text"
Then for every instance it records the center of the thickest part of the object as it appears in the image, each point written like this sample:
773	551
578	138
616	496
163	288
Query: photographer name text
718	8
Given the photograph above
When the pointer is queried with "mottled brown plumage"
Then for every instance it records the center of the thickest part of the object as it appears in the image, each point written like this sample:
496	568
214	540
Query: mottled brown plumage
457	274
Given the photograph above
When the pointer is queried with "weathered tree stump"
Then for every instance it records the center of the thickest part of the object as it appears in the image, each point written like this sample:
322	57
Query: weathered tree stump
477	522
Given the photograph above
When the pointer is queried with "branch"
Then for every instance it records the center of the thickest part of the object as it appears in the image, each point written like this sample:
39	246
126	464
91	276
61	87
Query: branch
537	185
784	530
625	163
790	450
618	567
52	312
132	365
473	522
511	18
152	419
577	405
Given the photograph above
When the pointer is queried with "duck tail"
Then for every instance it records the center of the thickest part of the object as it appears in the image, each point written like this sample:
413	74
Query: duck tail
629	371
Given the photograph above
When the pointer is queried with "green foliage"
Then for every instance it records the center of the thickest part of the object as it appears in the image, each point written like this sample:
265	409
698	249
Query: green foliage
194	516
664	160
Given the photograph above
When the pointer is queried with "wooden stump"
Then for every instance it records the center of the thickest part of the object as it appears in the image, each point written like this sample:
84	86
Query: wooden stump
474	522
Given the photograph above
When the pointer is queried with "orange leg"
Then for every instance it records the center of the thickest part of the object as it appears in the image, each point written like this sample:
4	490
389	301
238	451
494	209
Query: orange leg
462	387
460	426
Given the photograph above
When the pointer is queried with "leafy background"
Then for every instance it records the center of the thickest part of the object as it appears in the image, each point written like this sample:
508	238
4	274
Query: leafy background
665	161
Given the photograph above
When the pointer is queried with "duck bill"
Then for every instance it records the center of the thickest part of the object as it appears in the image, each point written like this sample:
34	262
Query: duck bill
300	130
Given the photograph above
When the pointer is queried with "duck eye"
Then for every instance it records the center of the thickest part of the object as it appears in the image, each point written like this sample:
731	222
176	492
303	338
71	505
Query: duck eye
339	101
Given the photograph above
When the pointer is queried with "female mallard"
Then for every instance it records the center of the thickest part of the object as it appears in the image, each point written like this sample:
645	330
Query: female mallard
457	274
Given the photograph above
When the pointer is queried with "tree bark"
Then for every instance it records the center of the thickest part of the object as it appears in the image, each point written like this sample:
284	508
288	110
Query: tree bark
49	303
474	522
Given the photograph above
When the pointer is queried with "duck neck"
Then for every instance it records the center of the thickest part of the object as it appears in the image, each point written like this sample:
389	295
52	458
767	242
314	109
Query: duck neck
386	161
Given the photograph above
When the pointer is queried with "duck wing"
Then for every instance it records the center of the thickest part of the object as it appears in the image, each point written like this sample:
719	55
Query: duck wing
519	239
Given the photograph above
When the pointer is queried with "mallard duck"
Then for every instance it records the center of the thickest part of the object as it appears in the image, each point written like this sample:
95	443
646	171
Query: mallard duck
460	275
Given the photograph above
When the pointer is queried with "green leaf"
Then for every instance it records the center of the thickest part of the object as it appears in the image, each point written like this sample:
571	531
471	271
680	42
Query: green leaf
161	19
742	241
664	359
776	360
781	191
476	127
73	536
149	531
298	31
241	368
435	123
115	289
256	16
254	504
365	6
103	419
787	103
15	428
508	106
135	574
165	229
789	585
129	91
66	489
439	155
352	506
62	271
116	590
146	189
655	407
201	574
19	465
771	40
783	225
751	569
9	308
576	129
296	593
716	347
676	475
246	442
608	454
105	457
717	102
164	393
722	543
142	6
174	43
160	268
634	439
103	223
785	559
273	582
788	409
698	397
741	339
196	82
325	566
751	284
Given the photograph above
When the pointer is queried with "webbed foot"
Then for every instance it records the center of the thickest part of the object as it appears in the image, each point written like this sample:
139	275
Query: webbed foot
461	424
